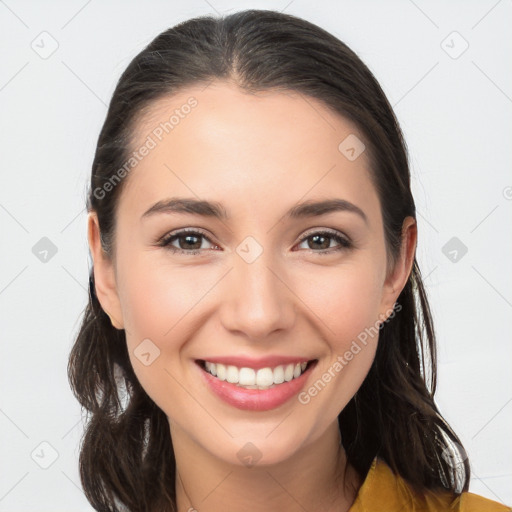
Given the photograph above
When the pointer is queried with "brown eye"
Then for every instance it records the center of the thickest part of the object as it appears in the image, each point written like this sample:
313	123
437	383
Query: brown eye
188	242
320	242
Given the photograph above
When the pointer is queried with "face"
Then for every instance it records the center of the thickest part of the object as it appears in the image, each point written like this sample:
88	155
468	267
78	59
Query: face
262	285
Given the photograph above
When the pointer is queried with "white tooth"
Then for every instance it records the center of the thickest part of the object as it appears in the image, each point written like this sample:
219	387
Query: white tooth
288	373
232	374
278	375
210	367
247	377
221	371
255	379
265	377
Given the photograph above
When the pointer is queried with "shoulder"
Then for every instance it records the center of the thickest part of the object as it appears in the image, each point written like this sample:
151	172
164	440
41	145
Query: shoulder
464	502
469	502
383	489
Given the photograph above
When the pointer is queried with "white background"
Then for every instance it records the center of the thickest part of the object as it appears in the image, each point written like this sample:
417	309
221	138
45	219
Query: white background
456	116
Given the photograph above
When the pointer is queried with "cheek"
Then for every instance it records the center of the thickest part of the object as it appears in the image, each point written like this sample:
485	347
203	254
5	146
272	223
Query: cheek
346	300
155	298
347	304
161	304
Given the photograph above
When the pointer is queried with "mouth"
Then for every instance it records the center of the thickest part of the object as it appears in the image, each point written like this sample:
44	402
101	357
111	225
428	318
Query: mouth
256	389
252	378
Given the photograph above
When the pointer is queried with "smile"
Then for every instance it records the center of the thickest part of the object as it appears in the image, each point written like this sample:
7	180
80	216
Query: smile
250	378
256	389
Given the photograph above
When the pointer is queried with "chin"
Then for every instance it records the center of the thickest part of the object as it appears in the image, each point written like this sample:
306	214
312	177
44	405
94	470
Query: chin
260	449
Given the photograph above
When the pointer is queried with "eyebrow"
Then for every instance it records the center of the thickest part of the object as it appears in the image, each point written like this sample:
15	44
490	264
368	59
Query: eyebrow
214	209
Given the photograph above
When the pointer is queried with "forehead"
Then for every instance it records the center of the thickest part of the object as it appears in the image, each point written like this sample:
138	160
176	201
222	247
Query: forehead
220	109
217	141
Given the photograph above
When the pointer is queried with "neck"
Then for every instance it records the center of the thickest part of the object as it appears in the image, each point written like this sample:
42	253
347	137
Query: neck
316	477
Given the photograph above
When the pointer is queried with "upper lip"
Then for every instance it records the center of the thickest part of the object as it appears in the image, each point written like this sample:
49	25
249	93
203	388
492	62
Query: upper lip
256	363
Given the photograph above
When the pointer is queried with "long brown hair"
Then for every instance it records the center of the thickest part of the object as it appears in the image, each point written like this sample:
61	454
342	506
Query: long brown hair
126	459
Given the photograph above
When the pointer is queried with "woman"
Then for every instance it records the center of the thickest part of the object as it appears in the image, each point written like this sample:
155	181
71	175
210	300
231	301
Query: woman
257	327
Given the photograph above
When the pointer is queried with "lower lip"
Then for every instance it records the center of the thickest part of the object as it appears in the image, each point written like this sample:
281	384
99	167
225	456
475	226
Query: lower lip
256	399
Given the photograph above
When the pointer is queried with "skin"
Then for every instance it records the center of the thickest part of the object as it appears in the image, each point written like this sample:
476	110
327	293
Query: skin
258	155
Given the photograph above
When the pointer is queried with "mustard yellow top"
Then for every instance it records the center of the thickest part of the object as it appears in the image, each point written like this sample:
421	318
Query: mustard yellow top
383	491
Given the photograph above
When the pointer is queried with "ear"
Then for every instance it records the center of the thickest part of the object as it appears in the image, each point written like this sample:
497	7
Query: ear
398	276
104	275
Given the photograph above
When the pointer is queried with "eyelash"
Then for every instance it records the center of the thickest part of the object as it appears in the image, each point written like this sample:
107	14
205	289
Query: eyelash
344	243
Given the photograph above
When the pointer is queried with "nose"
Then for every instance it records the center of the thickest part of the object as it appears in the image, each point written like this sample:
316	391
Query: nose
256	300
